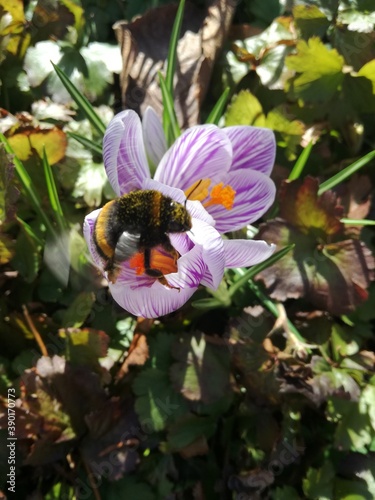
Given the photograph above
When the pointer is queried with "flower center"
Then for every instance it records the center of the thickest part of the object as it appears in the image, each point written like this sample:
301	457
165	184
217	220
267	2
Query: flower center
219	195
160	260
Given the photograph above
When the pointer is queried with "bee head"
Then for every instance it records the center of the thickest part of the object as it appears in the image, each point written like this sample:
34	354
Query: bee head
179	218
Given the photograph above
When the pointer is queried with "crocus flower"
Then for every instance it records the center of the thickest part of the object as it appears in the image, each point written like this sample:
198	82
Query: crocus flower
224	173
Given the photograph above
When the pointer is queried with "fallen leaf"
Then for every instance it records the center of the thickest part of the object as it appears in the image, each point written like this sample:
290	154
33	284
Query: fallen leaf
145	44
326	268
30	140
301	207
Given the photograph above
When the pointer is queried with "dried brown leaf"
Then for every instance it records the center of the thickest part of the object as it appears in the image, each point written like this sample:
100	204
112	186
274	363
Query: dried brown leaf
145	44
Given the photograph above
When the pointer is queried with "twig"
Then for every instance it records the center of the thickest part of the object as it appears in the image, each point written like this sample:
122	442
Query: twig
34	331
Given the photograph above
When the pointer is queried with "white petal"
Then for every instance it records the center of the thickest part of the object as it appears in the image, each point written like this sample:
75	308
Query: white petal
124	153
153	134
151	302
244	253
201	152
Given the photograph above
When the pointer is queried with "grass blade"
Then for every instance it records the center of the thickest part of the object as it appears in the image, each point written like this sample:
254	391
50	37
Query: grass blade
88	143
29	231
258	268
170	124
52	193
172	53
28	185
347	172
218	109
300	163
358	222
81	101
271	306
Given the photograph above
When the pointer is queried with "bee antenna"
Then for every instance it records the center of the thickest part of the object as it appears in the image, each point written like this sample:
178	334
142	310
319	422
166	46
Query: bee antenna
192	191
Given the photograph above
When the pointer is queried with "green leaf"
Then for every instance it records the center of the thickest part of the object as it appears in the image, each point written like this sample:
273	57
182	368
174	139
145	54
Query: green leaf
208	304
356	20
368	71
300	163
170	124
346	489
28	186
27	258
172	52
188	429
343	343
52	193
318	484
245	109
78	310
285	492
197	364
264	53
264	12
310	21
288	130
88	143
354	431
127	487
319	71
368	398
6	248
218	109
156	402
86	346
81	101
358	222
8	192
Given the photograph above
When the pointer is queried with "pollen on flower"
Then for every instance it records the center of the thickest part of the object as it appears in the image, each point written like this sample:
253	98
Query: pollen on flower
198	190
163	261
160	260
137	262
221	195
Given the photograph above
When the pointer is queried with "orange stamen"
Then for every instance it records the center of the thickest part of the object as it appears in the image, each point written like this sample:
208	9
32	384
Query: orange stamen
137	262
198	190
165	263
221	195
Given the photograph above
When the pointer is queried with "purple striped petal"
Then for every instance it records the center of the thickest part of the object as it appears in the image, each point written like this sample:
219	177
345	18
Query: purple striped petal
253	147
191	268
255	193
150	302
244	253
201	152
213	252
153	135
173	192
124	153
88	231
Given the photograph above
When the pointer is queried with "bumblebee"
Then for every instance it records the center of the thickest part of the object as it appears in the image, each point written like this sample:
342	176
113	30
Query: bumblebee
138	222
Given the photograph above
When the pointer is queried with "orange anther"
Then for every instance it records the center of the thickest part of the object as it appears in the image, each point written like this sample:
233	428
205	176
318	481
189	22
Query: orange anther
222	195
137	262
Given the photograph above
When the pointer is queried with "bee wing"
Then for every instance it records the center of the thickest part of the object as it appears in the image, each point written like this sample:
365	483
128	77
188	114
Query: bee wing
127	246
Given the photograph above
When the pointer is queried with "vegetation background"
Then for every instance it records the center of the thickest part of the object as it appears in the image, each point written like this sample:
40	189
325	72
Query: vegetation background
263	389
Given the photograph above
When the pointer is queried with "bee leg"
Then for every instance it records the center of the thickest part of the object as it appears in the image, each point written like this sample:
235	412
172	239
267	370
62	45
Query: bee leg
168	247
155	273
112	271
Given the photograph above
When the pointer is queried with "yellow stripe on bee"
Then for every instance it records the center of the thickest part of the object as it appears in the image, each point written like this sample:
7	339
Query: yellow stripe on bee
156	207
101	229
